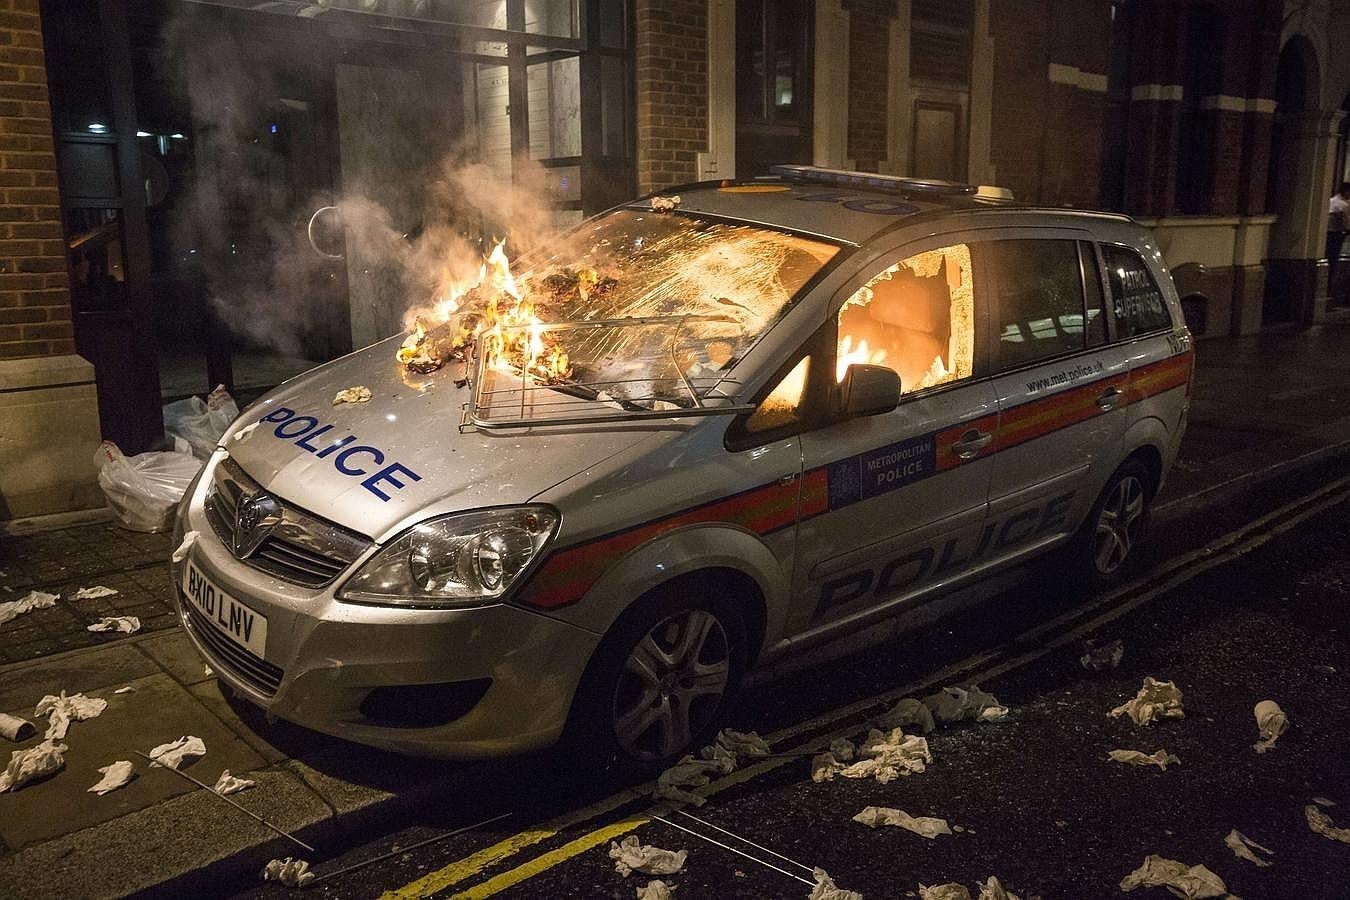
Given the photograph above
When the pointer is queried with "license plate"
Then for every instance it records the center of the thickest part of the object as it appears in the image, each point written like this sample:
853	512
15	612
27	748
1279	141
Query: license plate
231	618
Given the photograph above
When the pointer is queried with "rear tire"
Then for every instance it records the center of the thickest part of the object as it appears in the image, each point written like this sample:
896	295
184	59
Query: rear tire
1104	550
660	681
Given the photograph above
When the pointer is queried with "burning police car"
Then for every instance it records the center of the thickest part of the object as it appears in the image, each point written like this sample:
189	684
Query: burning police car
582	501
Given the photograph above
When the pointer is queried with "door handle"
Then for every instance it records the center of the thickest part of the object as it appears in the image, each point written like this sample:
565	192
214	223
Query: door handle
1108	398
971	443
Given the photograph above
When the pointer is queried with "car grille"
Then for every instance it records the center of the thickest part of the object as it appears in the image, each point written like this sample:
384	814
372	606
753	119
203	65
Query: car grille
258	673
300	548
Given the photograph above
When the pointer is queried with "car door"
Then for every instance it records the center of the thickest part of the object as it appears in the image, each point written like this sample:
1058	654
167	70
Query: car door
894	503
1061	386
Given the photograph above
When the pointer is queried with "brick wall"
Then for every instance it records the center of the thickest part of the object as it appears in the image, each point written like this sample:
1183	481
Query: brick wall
868	38
671	57
34	293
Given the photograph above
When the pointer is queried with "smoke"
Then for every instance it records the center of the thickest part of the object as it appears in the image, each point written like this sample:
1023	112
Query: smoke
408	210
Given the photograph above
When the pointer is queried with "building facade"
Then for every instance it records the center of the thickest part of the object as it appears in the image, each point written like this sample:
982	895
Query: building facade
172	167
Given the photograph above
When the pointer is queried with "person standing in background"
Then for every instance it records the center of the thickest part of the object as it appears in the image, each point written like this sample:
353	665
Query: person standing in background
1338	223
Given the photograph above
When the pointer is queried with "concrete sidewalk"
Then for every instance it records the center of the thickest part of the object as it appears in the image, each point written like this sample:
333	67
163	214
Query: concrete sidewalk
1262	406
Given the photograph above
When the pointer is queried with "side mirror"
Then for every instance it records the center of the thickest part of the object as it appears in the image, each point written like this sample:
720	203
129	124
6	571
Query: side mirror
869	390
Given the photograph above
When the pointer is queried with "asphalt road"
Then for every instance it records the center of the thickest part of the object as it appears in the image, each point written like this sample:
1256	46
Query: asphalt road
1039	803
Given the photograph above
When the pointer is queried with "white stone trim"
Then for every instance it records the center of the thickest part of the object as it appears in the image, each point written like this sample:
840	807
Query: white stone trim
720	160
1261	105
899	107
830	132
1157	92
1075	77
1224	102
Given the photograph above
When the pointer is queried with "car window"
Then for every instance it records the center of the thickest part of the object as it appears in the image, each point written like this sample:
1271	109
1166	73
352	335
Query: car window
1094	327
1138	303
1040	306
783	405
916	317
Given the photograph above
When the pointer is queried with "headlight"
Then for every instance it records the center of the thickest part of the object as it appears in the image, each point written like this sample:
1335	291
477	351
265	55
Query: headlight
457	560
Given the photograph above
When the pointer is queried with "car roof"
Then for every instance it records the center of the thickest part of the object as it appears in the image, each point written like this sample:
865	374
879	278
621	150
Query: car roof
847	207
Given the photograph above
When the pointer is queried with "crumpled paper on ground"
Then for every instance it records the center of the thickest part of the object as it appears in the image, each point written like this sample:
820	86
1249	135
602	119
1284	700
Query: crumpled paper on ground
290	872
181	553
94	593
31	764
665	204
953	704
992	889
173	754
1188	882
357	394
61	711
908	711
655	890
631	855
229	784
884	756
1160	758
721	757
1271	722
1102	656
123	624
924	826
114	776
16	729
1321	823
1155	700
1242	847
34	600
826	889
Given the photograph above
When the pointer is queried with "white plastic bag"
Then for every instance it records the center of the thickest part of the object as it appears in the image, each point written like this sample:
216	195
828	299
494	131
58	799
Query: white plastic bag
144	489
201	422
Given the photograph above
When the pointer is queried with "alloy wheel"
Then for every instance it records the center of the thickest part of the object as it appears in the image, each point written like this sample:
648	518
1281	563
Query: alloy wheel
672	684
1119	524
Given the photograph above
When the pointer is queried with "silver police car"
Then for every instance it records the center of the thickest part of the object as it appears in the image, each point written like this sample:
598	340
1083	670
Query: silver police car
700	433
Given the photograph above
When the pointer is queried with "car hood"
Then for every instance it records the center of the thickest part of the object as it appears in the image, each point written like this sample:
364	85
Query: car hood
381	465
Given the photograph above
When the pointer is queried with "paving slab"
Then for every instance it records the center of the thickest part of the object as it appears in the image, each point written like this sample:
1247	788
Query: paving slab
173	651
82	671
157	711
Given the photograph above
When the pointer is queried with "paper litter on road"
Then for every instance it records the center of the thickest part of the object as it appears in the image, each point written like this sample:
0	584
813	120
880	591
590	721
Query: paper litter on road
94	593
229	784
1155	700
924	826
358	394
61	711
124	690
954	704
290	872
826	889
31	764
883	755
1102	656
718	758
1271	722
114	776
173	754
1160	758
1321	823
630	855
1187	882
1242	847
908	711
123	624
33	600
16	729
655	890
992	889
188	540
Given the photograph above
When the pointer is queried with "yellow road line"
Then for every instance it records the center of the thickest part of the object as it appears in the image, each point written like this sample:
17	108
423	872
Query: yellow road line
548	860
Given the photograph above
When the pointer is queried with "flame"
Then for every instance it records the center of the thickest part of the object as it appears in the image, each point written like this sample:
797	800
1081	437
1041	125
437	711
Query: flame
494	315
848	355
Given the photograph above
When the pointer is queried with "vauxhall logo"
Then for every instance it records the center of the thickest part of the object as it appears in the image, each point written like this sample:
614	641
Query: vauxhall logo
254	520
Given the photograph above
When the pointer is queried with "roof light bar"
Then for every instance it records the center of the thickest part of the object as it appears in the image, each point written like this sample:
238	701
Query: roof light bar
893	184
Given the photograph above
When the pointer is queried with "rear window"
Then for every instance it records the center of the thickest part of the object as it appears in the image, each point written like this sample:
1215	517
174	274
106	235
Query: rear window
1040	301
1138	303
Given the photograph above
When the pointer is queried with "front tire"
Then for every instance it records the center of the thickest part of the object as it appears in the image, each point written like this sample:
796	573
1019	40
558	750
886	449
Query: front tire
1106	545
661	680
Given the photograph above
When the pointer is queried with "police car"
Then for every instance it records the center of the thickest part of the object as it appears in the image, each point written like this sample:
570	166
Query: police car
778	412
